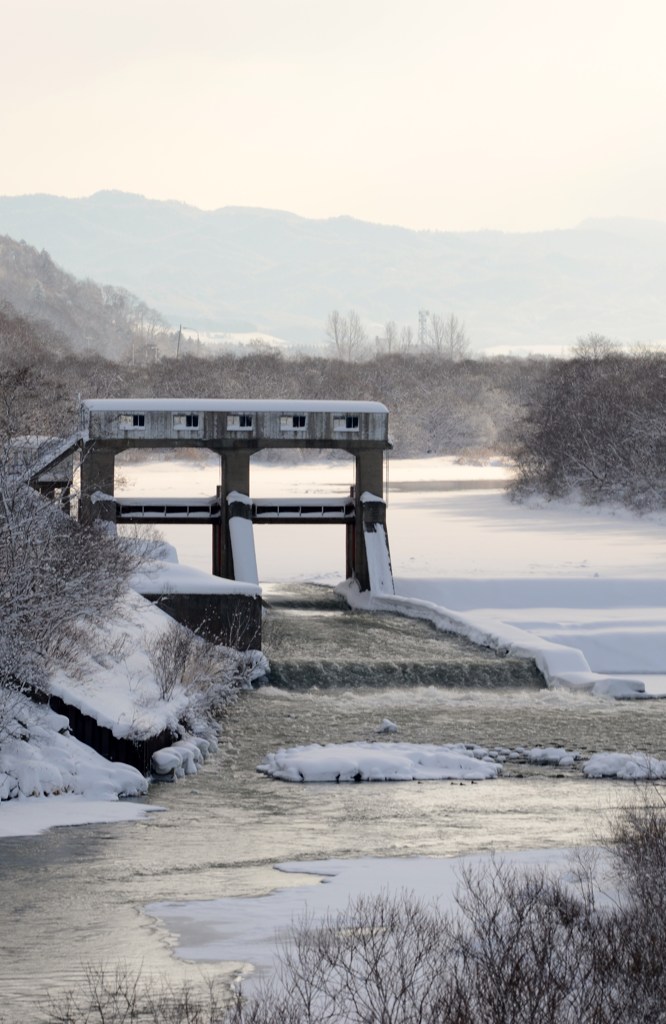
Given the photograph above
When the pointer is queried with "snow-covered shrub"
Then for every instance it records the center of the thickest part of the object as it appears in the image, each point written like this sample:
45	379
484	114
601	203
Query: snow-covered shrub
54	575
170	655
211	674
596	426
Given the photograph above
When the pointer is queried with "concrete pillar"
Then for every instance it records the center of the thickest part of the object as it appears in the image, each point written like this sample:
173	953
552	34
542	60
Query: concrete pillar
369	478
219	553
235	477
350	544
236	472
97	473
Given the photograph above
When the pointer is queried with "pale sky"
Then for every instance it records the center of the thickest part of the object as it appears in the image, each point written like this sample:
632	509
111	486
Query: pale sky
508	114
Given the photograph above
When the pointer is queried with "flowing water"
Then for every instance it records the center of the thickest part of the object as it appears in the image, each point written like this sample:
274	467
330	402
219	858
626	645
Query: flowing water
75	895
312	638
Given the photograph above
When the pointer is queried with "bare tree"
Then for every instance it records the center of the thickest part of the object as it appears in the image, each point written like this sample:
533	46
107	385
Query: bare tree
336	331
347	335
594	346
391	337
406	339
446	337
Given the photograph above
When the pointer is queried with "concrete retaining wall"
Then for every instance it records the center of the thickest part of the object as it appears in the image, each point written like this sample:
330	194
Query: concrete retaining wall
230	619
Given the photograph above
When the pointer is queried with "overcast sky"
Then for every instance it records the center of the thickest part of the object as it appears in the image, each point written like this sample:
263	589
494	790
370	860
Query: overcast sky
508	114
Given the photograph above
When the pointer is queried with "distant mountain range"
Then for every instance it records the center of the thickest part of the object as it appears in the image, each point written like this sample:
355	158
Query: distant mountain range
83	316
265	271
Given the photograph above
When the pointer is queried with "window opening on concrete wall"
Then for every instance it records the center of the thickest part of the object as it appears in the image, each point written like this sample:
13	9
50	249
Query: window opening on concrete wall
241	421
129	420
345	423
186	421
297	422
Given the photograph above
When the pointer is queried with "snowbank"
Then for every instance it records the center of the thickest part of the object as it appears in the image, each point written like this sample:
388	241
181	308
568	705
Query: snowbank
110	677
559	665
38	759
113	679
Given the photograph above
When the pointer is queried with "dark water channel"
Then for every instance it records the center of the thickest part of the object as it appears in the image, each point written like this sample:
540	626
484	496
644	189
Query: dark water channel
75	895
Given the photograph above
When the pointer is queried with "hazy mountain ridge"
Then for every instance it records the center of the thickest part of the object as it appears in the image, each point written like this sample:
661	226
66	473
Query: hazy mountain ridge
253	269
85	315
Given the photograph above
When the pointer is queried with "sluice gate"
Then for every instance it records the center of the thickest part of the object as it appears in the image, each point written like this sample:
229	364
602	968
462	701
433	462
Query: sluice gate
208	510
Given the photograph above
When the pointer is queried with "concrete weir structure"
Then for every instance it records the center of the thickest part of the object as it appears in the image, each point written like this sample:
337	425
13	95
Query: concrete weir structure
235	431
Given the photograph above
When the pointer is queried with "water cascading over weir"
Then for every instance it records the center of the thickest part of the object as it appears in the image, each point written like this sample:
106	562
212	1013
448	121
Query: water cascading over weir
235	431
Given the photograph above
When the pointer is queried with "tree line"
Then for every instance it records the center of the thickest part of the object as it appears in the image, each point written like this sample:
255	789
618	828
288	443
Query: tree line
593	424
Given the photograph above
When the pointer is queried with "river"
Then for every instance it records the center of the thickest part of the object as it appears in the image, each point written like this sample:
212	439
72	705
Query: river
75	895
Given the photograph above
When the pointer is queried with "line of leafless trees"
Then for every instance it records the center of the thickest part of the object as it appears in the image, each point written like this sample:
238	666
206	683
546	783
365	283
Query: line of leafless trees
442	337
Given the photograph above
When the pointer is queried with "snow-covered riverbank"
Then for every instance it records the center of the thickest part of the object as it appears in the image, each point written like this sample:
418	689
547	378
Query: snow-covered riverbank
47	776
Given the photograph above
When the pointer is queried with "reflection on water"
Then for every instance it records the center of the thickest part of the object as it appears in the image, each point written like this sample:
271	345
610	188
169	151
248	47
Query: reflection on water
75	895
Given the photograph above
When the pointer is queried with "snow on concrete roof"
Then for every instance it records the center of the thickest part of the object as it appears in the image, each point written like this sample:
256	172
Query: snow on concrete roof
228	405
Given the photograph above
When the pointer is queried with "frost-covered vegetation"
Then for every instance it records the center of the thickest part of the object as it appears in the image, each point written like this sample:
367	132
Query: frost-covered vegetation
54	574
584	946
71	626
596	427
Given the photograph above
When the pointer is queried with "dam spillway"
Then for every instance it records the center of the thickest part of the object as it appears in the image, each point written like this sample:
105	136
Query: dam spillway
313	639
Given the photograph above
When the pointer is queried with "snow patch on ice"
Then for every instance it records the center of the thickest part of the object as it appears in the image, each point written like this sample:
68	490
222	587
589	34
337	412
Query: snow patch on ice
633	767
375	762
